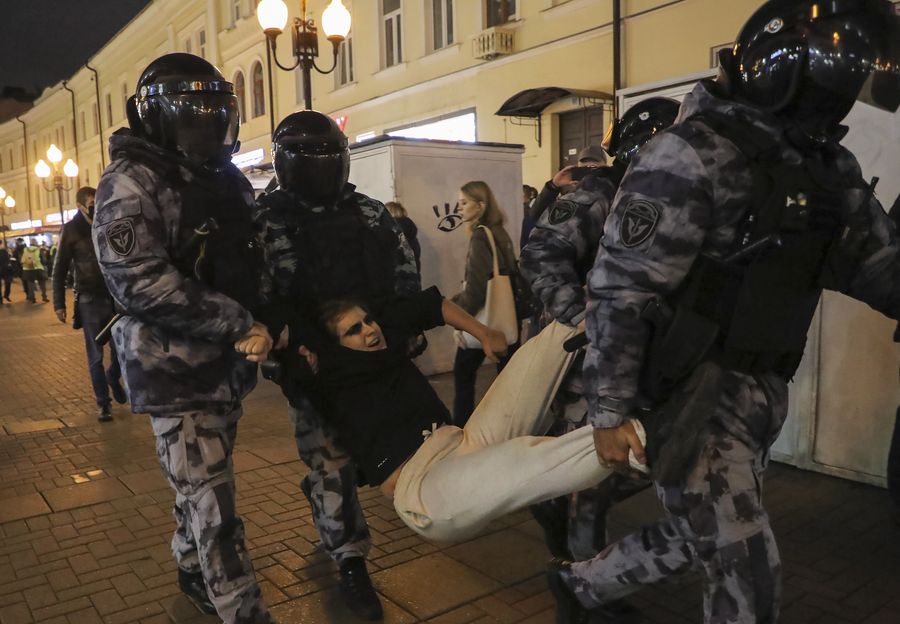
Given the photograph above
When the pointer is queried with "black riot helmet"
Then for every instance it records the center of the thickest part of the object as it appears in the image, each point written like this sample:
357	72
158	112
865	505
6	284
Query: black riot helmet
639	124
184	104
809	60
311	156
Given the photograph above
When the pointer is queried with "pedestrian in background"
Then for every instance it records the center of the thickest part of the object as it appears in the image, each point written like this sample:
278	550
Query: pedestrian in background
562	182
478	207
410	231
6	271
33	270
529	196
93	303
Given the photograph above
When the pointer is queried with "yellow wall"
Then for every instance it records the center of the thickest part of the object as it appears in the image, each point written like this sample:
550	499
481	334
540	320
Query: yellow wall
566	44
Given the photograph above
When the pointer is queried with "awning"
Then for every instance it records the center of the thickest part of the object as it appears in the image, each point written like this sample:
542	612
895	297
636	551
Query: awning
532	102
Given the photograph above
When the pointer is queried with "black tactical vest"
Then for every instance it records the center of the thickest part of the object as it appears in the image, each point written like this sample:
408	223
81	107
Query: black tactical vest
339	255
751	310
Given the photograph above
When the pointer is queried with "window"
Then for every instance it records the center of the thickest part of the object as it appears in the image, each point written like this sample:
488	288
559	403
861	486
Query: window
12	163
441	14
96	118
56	134
201	41
125	96
454	127
1	163
235	11
392	32
499	11
259	98
344	73
109	119
239	94
83	130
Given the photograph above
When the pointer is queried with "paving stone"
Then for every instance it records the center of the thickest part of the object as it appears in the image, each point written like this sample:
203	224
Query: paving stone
145	481
432	584
84	494
20	507
509	556
326	606
30	426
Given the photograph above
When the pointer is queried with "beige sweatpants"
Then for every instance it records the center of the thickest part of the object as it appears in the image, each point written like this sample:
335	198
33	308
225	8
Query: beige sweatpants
461	479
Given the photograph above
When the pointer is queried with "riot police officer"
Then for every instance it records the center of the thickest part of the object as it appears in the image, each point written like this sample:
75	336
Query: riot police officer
556	261
724	232
324	241
185	299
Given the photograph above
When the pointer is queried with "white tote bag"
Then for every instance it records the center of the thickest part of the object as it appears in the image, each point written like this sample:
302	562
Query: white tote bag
499	311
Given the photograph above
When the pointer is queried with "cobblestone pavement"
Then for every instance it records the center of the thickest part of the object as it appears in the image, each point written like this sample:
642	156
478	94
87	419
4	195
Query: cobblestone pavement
85	521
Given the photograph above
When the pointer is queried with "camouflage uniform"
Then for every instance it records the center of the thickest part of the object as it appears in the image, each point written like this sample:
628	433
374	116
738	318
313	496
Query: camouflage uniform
556	261
175	345
697	185
330	484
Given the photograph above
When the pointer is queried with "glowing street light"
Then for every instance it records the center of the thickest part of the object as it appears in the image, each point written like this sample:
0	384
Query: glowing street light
53	178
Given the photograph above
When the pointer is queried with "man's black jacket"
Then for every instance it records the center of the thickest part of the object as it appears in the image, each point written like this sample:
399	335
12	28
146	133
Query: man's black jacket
75	245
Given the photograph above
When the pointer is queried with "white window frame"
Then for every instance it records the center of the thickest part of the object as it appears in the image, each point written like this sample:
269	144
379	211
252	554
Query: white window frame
235	11
188	45
345	72
447	26
201	42
107	99
395	17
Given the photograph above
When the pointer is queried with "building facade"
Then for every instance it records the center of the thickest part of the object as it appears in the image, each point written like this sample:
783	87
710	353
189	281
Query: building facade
435	68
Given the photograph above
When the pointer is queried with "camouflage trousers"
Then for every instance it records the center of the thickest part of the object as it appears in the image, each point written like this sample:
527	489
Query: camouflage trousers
195	452
715	521
576	524
330	485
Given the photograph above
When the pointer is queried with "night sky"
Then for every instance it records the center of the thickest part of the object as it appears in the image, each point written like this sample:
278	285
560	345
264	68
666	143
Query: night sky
45	41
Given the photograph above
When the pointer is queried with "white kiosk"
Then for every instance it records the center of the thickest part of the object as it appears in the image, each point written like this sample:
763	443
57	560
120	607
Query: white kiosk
425	176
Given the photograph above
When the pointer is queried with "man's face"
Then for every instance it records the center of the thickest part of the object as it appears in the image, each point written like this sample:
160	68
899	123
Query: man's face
87	209
356	329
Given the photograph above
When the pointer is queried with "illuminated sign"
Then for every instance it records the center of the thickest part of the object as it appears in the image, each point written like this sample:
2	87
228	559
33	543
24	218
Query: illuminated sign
53	217
24	225
365	136
248	159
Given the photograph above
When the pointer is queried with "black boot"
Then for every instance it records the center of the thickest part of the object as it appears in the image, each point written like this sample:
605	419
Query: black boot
192	585
553	516
357	591
568	609
105	413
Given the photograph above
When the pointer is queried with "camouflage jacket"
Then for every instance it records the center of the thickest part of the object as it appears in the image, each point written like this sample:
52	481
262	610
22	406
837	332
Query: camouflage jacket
281	257
694	186
176	342
563	244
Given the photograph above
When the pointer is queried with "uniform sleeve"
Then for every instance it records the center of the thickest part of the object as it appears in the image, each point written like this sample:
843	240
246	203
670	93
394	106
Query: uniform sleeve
543	201
479	265
654	232
129	237
553	261
61	269
280	263
876	280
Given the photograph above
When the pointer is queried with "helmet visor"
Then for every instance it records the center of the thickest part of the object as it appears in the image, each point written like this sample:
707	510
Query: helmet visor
203	126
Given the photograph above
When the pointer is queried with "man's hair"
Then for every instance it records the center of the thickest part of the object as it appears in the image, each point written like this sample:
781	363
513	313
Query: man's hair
83	193
330	313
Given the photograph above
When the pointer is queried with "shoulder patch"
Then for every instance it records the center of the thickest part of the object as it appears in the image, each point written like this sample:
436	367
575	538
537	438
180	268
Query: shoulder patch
562	211
638	222
121	237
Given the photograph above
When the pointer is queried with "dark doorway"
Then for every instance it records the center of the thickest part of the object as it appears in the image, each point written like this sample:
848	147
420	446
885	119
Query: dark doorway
577	130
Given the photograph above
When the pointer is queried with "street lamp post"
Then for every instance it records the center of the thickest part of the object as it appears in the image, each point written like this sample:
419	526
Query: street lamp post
9	203
53	178
273	15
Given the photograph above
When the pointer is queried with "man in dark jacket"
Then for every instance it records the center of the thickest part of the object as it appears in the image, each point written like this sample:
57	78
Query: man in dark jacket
94	306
